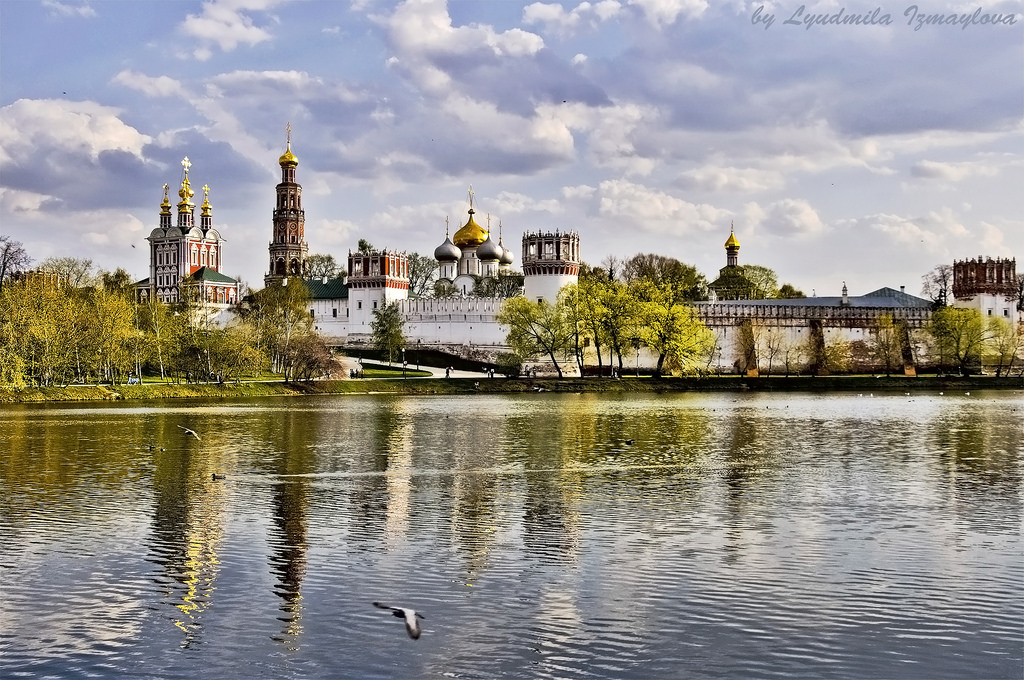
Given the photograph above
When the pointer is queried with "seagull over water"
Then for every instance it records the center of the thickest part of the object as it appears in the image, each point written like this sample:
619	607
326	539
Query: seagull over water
188	431
412	626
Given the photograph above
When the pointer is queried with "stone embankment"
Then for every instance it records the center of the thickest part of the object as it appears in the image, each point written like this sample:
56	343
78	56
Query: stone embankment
437	386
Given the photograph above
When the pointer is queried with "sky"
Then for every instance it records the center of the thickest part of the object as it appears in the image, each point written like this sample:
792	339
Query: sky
853	142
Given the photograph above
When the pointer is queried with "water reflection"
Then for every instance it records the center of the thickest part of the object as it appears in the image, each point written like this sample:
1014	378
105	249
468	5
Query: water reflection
562	536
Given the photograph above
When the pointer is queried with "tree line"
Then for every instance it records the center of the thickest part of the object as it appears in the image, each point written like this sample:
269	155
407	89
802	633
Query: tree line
66	323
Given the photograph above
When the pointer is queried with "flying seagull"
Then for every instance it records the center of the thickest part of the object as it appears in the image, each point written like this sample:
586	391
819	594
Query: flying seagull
412	626
188	431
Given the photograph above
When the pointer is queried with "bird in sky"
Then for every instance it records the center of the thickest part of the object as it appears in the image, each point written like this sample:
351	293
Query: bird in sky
188	431
412	626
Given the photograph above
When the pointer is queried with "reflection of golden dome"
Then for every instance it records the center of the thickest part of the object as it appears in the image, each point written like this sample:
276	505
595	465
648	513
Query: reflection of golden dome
288	159
732	242
471	235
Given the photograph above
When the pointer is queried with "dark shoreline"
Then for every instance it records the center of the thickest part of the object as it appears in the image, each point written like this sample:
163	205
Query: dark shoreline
427	386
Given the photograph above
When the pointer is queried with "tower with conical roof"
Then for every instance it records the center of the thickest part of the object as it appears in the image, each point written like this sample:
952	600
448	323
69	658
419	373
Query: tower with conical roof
288	247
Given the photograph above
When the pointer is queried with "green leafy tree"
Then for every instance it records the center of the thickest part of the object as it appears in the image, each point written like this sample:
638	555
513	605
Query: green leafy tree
686	283
960	335
670	329
321	266
536	328
364	247
1005	345
388	330
788	292
279	315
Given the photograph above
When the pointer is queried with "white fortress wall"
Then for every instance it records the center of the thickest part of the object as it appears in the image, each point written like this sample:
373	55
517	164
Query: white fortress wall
453	320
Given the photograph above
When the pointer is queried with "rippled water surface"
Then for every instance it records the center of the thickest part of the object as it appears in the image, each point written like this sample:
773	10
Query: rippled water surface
542	536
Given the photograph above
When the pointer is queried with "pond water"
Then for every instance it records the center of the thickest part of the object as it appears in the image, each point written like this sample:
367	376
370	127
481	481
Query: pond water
541	536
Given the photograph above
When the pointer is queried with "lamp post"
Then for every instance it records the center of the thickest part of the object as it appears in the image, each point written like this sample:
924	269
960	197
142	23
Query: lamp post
404	363
418	350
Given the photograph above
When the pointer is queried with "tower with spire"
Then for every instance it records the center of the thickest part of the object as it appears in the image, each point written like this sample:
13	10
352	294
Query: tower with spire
288	249
184	254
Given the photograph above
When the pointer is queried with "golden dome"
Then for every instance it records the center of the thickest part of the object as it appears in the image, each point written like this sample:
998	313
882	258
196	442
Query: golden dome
732	242
471	234
165	207
288	159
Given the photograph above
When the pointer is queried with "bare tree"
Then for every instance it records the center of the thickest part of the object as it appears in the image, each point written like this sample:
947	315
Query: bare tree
13	258
422	274
937	285
75	272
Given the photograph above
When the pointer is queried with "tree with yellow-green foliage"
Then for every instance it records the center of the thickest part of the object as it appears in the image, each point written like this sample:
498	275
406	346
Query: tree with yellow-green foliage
536	328
961	335
670	329
1005	345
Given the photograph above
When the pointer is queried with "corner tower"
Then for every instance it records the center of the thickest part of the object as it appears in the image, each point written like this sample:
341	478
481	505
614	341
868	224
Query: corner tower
550	260
288	248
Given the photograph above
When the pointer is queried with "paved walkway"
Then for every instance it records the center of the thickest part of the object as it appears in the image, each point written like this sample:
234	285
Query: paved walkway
353	364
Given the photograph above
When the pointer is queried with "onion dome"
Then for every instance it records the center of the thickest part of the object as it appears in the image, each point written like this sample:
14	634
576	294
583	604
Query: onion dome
186	194
288	160
206	201
471	234
447	251
489	251
165	207
507	256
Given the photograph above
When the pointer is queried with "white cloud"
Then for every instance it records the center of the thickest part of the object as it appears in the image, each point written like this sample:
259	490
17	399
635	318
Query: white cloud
665	12
652	210
421	33
792	217
226	24
65	9
159	86
511	203
586	15
337	234
35	127
25	202
718	178
951	172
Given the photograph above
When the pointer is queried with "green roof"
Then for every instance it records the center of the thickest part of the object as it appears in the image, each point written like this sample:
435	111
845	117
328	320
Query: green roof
332	289
207	275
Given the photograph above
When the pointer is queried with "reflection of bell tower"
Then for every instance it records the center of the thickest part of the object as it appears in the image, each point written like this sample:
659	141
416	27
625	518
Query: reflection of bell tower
288	248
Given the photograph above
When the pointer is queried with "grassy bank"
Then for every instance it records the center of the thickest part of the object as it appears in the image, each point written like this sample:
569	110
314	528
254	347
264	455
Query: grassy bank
503	385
